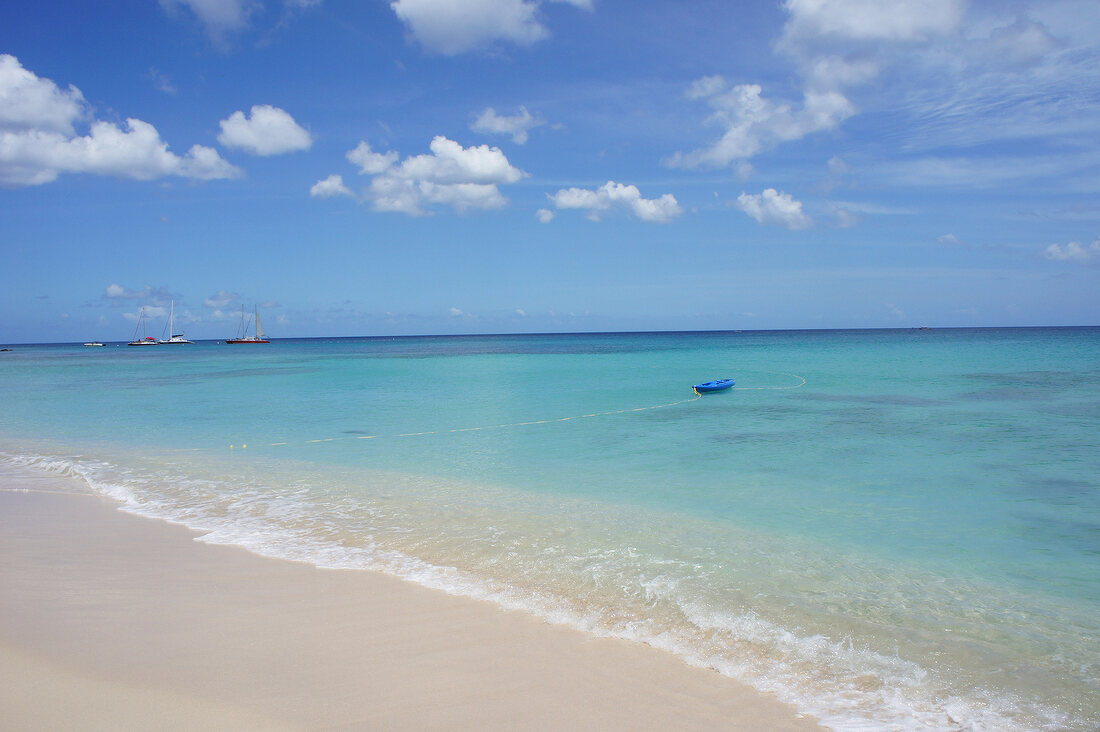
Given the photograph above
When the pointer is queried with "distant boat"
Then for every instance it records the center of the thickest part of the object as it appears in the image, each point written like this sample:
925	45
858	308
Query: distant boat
717	385
144	340
242	334
170	326
93	343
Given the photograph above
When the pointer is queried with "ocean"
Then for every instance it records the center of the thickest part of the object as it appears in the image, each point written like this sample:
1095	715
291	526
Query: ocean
888	529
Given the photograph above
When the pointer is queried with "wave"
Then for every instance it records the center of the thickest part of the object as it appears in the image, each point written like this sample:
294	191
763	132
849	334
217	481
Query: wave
624	593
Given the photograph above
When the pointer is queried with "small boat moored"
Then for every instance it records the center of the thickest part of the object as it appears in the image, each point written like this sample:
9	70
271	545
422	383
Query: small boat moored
144	340
169	327
242	333
94	344
716	385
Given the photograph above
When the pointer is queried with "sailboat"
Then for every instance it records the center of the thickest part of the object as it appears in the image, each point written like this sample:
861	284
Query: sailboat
144	340
259	335
170	326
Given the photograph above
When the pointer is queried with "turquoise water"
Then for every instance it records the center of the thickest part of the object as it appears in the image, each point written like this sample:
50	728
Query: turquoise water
888	529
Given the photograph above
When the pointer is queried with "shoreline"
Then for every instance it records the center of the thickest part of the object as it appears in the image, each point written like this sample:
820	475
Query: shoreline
111	620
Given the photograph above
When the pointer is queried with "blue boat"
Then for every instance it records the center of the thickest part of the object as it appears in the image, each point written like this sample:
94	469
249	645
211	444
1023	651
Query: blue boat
718	385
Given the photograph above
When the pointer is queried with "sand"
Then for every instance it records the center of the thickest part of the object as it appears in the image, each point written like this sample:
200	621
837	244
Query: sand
112	621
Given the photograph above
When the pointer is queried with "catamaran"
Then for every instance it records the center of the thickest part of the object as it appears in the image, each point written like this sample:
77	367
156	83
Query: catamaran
144	340
170	326
259	335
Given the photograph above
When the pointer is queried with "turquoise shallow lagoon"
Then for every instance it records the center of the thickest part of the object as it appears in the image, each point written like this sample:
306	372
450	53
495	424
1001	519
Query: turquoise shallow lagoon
888	529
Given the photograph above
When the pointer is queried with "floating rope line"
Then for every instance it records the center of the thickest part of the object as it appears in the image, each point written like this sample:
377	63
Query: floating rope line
801	383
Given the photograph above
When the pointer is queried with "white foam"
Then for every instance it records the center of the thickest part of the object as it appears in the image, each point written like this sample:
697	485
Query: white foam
845	686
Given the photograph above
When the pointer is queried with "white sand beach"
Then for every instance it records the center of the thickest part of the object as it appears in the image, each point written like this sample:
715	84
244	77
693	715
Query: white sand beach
112	621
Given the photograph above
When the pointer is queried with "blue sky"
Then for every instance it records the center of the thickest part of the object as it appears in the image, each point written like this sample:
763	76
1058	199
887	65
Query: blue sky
480	166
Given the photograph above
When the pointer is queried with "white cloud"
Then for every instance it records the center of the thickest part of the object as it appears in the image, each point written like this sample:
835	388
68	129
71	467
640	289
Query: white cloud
657	210
836	45
204	163
463	178
1074	252
36	157
28	102
516	125
752	124
330	187
451	27
220	299
544	215
463	196
115	291
773	207
37	140
370	162
268	131
219	16
949	240
706	87
452	163
912	20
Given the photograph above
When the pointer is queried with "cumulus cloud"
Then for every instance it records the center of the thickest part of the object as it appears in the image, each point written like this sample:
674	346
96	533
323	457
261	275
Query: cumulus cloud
775	208
115	292
515	125
370	162
449	163
38	140
267	131
451	27
544	215
1074	252
28	102
658	210
464	178
750	123
330	187
220	299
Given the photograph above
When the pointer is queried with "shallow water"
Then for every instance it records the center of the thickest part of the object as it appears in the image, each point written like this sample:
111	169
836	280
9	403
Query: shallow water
886	528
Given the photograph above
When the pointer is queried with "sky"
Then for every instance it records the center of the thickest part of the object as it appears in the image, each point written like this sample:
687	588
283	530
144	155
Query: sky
374	167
